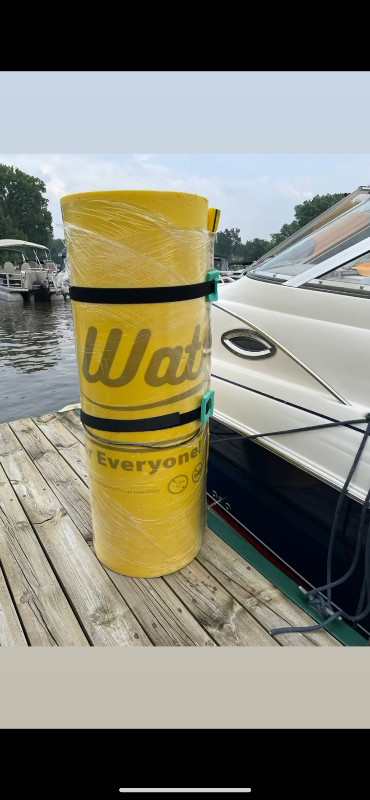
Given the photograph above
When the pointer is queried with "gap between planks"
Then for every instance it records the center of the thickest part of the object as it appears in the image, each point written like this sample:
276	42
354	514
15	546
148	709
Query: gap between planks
11	631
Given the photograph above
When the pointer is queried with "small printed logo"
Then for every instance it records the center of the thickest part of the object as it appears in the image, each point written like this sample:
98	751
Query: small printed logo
197	472
176	486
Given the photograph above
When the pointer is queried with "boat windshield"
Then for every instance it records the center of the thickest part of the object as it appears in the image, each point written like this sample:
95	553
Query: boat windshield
328	240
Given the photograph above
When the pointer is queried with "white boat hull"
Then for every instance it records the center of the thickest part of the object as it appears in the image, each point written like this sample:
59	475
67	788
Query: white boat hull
317	374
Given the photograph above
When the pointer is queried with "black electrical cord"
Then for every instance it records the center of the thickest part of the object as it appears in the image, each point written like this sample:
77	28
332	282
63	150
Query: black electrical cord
314	597
227	437
322	604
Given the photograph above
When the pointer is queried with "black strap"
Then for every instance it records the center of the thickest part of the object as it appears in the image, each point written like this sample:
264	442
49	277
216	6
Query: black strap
136	425
143	294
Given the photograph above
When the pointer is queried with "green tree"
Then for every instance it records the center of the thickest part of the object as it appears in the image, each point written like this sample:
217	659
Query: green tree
253	249
228	243
56	247
304	213
285	231
8	230
308	211
24	210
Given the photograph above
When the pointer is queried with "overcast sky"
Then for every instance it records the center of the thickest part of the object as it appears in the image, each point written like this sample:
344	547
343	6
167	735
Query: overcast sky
255	192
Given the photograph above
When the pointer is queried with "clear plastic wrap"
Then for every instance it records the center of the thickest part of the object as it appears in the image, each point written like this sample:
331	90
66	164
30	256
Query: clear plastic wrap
140	361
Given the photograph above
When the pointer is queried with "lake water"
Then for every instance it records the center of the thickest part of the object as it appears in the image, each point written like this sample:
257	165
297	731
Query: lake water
38	369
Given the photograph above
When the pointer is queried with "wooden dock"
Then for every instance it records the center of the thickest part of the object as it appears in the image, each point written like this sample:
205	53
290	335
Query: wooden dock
54	591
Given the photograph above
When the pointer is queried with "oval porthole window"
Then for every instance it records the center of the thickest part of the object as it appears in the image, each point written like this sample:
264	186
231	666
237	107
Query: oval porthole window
247	343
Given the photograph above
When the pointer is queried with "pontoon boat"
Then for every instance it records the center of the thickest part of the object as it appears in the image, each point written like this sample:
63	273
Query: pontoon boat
26	270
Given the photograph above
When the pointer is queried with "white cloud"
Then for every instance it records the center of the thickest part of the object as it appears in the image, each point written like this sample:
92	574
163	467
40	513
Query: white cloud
55	187
258	202
140	157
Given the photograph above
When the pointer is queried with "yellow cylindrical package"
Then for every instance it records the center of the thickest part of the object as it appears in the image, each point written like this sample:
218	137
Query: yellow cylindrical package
141	270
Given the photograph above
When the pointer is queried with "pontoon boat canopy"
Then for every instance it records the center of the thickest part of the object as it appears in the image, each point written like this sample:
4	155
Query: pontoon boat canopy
9	243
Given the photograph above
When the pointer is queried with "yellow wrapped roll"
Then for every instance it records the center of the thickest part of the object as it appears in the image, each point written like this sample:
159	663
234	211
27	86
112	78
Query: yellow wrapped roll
141	364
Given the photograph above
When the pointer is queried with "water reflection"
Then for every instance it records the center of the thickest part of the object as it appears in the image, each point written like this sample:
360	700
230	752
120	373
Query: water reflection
31	337
38	371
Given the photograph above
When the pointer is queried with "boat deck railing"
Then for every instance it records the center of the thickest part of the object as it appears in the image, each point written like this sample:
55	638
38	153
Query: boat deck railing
12	282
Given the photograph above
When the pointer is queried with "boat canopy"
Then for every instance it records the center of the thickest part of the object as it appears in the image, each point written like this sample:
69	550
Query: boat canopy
7	244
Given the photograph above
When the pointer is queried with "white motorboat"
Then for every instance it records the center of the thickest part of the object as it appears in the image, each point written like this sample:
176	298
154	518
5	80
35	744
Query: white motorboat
26	270
290	352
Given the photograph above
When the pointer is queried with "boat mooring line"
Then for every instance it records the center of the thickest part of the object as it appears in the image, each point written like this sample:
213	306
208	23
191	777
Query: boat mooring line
283	402
313	598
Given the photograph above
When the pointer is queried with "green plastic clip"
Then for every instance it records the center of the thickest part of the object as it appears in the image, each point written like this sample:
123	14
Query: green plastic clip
213	275
207	405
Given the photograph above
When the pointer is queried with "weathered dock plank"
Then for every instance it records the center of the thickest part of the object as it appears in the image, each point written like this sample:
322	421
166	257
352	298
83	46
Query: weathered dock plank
11	633
72	450
270	606
40	601
72	493
101	610
226	621
72	422
163	616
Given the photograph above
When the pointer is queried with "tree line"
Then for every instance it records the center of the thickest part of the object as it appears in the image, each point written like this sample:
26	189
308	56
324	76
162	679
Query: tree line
24	214
228	243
